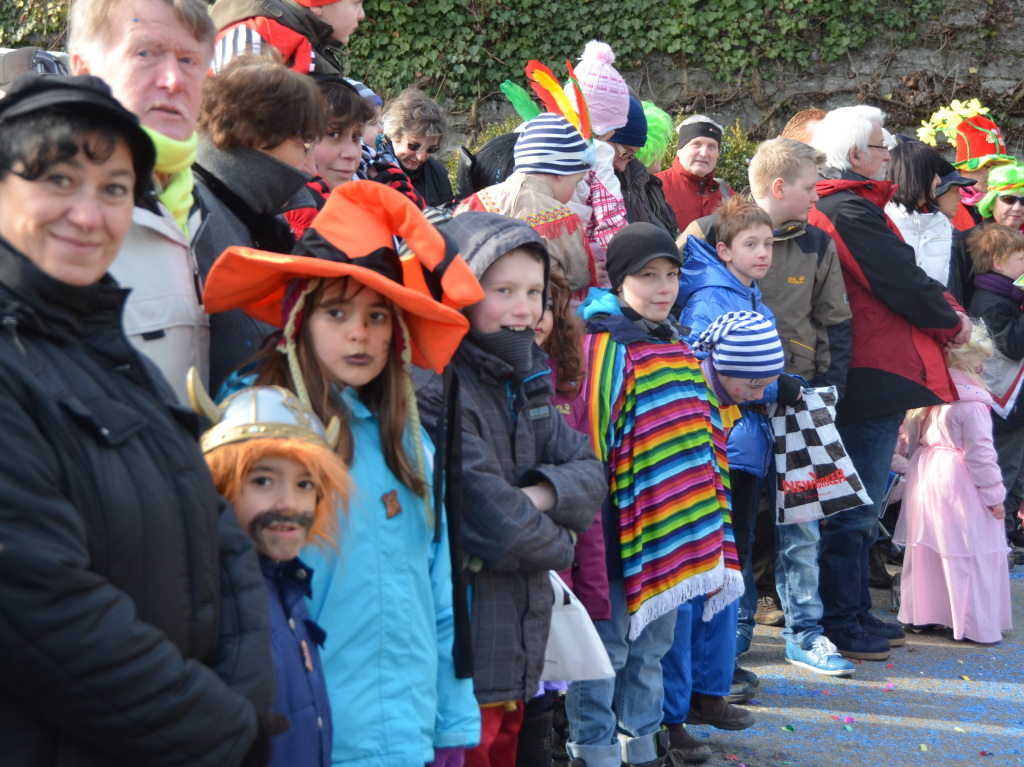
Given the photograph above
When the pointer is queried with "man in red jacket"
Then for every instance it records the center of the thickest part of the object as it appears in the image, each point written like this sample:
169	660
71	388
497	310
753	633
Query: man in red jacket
689	184
902	320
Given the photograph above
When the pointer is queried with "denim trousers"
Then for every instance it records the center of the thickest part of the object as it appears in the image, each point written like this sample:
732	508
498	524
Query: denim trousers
847	536
702	657
631	703
796	580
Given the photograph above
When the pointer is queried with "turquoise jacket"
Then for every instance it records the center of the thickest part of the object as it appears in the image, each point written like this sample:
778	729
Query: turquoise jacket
385	601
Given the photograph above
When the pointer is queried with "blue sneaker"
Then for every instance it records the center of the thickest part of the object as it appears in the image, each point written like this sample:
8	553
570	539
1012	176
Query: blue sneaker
822	658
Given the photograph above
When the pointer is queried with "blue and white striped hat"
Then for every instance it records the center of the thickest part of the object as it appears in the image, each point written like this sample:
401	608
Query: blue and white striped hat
743	345
550	144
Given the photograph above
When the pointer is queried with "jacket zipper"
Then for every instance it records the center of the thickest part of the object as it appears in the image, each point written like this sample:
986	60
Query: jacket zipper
11	323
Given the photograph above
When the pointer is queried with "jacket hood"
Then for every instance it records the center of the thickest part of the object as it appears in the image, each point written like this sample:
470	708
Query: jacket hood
599	301
702	268
833	180
789	231
968	389
485	237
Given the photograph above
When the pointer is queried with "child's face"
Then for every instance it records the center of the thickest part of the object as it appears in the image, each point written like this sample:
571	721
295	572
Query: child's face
351	331
797	196
277	507
546	324
744	389
749	254
337	156
652	291
513	294
1011	266
373	128
344	16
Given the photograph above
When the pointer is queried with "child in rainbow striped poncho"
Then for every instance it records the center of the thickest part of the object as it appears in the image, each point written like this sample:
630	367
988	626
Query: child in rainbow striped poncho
657	426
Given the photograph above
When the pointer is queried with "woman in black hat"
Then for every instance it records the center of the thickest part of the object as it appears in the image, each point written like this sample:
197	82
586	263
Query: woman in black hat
133	629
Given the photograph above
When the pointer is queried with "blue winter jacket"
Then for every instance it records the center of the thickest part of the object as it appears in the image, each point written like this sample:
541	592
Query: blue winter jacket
386	603
707	290
301	692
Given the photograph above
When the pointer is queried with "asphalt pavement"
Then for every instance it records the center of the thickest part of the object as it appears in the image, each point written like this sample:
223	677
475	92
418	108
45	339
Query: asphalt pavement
933	702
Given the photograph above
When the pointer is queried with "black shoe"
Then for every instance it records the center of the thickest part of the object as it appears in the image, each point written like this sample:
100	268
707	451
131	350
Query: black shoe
878	576
716	711
854	642
888	551
891	632
745	675
739	692
683	747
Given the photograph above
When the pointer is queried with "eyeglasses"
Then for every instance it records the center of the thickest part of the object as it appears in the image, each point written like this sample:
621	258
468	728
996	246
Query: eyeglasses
415	146
307	146
878	146
623	154
1011	199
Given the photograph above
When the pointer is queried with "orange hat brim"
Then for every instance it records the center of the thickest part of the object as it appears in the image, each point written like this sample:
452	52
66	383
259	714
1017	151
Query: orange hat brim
255	281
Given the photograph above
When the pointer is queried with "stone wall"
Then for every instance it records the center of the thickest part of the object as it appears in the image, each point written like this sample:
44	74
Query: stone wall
972	50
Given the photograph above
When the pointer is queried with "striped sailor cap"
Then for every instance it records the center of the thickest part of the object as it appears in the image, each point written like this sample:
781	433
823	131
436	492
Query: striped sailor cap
743	345
550	144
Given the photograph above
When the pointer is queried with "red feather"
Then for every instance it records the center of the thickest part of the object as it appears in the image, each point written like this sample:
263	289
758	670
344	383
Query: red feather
545	95
581	103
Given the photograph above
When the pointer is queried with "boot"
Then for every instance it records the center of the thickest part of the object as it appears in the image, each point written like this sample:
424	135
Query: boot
684	746
535	737
878	576
714	710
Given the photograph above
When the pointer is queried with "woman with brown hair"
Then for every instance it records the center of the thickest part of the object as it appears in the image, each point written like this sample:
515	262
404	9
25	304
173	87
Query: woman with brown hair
414	129
258	123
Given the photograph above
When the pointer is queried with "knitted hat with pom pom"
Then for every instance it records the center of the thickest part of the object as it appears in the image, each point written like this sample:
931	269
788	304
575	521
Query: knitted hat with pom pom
603	87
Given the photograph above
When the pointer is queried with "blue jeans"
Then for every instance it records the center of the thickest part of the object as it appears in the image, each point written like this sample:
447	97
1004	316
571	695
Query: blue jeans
702	657
796	580
746	495
847	536
631	702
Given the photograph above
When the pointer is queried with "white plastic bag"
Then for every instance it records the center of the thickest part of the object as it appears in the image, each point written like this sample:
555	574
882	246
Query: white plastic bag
575	652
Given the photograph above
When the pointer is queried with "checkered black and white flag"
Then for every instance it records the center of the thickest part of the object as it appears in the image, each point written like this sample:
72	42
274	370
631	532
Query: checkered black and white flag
814	475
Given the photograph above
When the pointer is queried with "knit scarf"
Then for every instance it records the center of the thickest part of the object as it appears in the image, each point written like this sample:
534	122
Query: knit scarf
174	159
663	331
658	429
1001	285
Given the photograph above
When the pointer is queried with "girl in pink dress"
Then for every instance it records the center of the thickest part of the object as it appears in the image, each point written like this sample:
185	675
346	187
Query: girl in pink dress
955	571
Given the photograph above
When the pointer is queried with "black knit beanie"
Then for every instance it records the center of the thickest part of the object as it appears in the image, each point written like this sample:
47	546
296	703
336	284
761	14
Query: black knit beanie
634	246
697	129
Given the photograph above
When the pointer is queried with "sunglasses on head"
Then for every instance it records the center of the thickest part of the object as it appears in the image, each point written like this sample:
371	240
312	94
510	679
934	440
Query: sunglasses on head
1011	199
414	146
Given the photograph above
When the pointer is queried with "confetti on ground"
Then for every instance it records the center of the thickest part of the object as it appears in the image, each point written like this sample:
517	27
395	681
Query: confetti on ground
849	720
848	727
960	662
889	687
834	716
732	757
788	727
924	747
985	753
888	665
965	677
753	702
959	729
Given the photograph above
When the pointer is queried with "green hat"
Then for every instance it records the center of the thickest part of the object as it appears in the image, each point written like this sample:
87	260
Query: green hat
1001	180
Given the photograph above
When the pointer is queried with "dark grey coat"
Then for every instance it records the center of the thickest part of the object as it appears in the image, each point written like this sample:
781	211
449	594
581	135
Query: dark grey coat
513	437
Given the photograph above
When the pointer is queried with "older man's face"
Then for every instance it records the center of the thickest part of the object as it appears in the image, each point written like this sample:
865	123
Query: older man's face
153	64
871	163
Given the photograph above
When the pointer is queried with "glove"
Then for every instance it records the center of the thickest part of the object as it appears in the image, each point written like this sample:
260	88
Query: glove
790	388
267	726
448	757
392	175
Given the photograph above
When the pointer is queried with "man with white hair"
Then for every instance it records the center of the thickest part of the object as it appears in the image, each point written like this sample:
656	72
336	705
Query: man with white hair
689	184
902	319
154	55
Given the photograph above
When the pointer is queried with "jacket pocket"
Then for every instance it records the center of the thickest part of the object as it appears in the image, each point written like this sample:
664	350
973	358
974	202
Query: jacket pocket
113	422
800	359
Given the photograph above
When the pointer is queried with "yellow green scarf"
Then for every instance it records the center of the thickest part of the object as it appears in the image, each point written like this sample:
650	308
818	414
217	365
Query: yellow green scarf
174	159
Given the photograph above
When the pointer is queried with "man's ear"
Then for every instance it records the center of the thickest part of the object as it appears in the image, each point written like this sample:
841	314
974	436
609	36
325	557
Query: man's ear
316	10
79	66
777	188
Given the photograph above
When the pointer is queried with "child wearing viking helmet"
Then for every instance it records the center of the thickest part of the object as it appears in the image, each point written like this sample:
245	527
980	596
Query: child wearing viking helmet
273	460
353	321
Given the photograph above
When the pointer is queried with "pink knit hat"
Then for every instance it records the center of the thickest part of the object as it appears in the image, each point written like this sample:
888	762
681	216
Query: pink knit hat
603	87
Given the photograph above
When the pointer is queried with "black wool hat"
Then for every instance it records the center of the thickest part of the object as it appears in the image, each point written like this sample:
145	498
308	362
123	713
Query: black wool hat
636	245
86	95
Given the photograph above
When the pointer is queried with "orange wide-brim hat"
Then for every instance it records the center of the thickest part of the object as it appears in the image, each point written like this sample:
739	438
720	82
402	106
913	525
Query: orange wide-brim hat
353	236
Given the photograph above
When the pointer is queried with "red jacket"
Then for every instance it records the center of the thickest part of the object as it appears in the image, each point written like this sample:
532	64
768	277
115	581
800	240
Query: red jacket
901	317
691	197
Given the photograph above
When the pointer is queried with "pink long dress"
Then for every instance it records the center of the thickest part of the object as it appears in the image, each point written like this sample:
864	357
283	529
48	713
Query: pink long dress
955	571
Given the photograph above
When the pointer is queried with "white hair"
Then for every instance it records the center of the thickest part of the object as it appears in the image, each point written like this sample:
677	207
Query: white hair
843	129
699	119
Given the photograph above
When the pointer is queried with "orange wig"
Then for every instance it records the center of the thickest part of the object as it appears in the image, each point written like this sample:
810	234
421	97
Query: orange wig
230	465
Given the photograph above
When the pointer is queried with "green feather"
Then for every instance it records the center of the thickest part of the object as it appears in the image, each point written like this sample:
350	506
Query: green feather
520	99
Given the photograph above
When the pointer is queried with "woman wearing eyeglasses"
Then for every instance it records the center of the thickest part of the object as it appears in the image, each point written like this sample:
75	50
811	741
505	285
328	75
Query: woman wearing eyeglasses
1002	204
414	131
258	124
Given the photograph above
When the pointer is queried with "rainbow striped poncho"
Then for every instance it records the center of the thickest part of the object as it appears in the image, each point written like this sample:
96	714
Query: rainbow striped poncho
656	425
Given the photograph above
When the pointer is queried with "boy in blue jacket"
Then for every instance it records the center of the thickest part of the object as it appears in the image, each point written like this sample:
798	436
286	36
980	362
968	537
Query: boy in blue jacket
273	460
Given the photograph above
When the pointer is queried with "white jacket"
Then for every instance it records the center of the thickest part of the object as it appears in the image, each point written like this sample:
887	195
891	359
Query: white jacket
164	317
931	237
